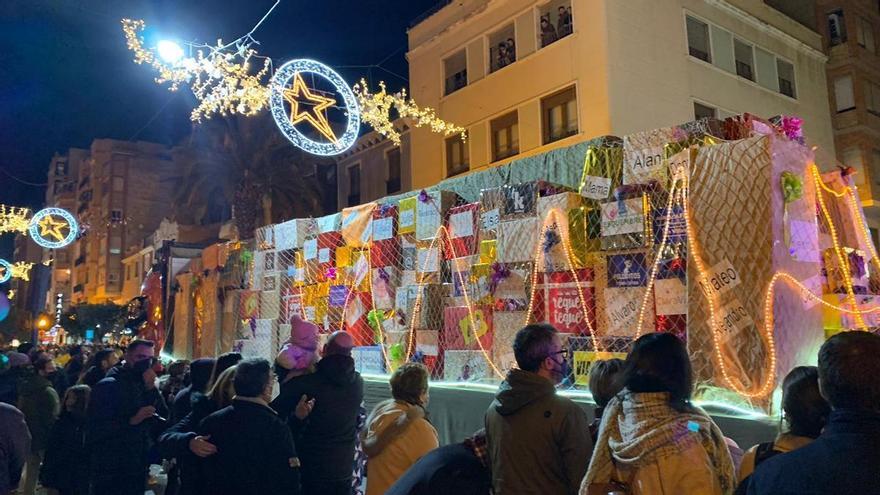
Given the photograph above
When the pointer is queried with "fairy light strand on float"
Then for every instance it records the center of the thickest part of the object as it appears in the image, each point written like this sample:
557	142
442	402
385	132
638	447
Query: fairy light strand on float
713	304
658	256
842	261
553	218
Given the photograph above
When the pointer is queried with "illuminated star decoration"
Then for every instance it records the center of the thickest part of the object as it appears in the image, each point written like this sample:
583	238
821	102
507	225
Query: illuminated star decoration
317	116
287	87
50	226
47	231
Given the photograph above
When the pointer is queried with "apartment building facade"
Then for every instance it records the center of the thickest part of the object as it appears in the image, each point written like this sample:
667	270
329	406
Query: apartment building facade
124	190
374	167
526	76
61	192
851	29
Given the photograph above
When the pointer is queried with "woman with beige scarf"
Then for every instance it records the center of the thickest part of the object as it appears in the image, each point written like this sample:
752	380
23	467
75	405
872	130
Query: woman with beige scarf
652	440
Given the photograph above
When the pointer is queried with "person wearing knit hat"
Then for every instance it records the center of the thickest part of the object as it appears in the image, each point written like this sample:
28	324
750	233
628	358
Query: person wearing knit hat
9	378
300	352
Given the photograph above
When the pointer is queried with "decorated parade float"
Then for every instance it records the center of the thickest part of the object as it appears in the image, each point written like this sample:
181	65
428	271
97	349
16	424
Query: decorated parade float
727	234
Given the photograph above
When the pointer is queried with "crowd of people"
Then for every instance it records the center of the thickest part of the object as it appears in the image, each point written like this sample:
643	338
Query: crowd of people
217	427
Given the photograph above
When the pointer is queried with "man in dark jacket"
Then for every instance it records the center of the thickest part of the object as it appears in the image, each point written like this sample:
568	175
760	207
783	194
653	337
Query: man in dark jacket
459	469
845	458
40	405
125	413
15	444
322	411
181	442
255	452
539	442
200	373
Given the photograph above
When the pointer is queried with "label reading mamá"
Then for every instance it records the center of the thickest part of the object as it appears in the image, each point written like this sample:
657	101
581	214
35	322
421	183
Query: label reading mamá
596	187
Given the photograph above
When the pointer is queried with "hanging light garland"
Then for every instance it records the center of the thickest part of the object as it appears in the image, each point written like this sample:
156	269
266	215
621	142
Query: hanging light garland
222	81
14	219
376	111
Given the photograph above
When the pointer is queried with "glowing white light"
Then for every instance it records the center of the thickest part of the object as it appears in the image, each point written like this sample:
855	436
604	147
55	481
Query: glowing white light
43	224
170	51
282	79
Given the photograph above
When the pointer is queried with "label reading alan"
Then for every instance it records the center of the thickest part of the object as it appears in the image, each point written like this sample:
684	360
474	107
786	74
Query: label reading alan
733	318
720	279
596	187
642	166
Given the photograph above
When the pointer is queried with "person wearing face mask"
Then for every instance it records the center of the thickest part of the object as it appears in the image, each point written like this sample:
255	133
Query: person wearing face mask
539	441
125	414
255	451
39	402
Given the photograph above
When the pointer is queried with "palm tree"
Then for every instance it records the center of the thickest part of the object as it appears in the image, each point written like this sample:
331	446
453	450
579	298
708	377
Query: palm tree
245	163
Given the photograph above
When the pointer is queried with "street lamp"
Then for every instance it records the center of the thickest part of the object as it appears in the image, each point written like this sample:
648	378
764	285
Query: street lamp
43	322
170	51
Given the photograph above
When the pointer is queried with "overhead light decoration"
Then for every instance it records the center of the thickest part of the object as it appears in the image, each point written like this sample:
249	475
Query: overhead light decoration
288	88
5	271
223	83
53	228
14	219
21	270
221	79
376	111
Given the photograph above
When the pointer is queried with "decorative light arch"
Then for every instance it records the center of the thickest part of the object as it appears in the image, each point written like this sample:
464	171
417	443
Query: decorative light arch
46	230
287	80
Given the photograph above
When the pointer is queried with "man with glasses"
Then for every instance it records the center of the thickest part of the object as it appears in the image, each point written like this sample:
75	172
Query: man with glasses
539	441
125	414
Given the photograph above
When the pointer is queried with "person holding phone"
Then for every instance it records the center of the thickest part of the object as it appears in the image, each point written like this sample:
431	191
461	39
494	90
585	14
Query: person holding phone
125	414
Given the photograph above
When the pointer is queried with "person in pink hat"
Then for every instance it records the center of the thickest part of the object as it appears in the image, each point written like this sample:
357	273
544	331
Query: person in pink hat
299	353
322	408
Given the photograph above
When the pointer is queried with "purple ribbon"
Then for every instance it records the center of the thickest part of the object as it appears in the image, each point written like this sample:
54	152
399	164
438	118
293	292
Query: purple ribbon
424	197
499	273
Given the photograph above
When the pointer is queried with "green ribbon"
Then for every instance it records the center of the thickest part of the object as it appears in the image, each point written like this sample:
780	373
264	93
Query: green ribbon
792	187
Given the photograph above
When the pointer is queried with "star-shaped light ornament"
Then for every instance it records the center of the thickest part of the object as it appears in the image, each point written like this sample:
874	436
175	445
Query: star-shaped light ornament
300	98
51	227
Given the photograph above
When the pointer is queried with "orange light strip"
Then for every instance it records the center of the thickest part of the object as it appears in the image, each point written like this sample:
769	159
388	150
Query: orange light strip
467	301
841	259
552	218
657	258
769	381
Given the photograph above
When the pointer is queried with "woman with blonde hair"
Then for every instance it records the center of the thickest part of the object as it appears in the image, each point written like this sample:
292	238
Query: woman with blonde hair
397	453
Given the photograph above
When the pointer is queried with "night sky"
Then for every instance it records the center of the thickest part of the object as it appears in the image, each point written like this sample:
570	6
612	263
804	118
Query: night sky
66	76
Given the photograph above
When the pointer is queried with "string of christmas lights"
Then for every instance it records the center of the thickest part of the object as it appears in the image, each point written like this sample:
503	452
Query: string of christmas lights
376	111
223	82
14	219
